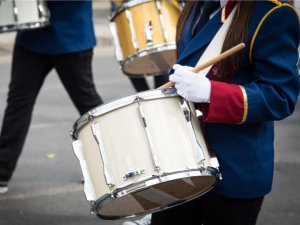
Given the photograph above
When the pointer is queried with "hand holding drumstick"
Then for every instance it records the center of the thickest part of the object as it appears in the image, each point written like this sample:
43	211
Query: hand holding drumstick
192	87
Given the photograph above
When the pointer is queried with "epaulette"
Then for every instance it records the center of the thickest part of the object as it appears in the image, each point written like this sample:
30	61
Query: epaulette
278	5
276	2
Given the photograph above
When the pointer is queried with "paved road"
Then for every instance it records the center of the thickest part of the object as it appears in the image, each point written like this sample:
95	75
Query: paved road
46	187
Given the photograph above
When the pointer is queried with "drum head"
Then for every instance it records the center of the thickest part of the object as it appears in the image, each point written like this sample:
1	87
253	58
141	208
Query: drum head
154	198
152	63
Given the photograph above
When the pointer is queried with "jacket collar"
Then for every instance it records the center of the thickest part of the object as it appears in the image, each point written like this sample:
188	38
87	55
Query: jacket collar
203	37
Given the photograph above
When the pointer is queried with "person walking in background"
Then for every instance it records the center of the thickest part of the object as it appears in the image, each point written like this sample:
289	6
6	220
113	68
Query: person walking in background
141	83
240	99
65	45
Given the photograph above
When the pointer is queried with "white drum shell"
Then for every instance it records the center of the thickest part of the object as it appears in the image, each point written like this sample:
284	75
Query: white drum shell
127	147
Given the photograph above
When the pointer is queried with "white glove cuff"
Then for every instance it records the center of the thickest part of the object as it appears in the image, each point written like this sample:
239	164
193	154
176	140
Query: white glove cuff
207	91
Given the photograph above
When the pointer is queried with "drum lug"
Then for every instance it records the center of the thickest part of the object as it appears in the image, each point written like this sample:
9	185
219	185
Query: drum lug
98	137
215	172
201	164
92	207
132	30
165	33
133	173
148	34
215	167
43	10
150	142
118	49
197	148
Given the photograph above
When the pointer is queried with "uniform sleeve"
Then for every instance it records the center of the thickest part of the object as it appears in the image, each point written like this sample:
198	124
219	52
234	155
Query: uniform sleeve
273	93
227	103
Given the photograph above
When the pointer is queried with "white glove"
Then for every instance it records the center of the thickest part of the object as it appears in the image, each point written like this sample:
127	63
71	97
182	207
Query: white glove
192	86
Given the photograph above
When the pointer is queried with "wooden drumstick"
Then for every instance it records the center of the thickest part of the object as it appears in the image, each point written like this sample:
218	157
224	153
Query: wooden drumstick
210	62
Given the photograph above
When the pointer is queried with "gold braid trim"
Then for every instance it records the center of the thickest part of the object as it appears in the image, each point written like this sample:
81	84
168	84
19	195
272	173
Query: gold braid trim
245	104
279	5
276	2
223	14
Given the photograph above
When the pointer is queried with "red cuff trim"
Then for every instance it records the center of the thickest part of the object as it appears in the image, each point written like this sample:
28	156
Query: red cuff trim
227	104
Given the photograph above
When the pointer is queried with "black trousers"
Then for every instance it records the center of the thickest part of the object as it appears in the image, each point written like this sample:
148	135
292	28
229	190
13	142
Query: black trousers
140	84
29	71
211	209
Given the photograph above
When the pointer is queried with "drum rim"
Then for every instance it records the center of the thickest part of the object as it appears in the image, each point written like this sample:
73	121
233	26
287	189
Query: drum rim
119	103
146	52
201	172
126	6
23	26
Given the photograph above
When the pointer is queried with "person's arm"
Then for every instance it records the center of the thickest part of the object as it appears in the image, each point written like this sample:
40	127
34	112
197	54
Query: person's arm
274	91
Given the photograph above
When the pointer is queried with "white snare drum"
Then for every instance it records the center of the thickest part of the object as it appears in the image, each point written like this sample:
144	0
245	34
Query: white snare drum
142	153
20	14
144	36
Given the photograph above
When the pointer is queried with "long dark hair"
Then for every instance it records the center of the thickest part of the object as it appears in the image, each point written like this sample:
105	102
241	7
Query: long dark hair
237	33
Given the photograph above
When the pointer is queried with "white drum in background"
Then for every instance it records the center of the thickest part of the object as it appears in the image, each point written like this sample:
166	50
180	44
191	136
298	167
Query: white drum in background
20	14
142	153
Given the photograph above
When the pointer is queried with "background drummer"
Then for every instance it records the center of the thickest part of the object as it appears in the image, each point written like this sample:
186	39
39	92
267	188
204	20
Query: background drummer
140	83
65	45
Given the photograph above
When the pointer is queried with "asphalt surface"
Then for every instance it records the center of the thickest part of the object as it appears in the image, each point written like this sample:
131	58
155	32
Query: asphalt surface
46	187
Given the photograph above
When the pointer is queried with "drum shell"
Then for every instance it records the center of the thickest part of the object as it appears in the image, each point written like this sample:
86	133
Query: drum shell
127	148
138	54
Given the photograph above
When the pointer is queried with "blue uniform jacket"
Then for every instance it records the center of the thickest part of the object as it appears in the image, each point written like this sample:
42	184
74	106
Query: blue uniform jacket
239	118
70	29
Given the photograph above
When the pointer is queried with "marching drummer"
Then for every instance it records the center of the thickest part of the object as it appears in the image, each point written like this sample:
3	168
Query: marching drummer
240	98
